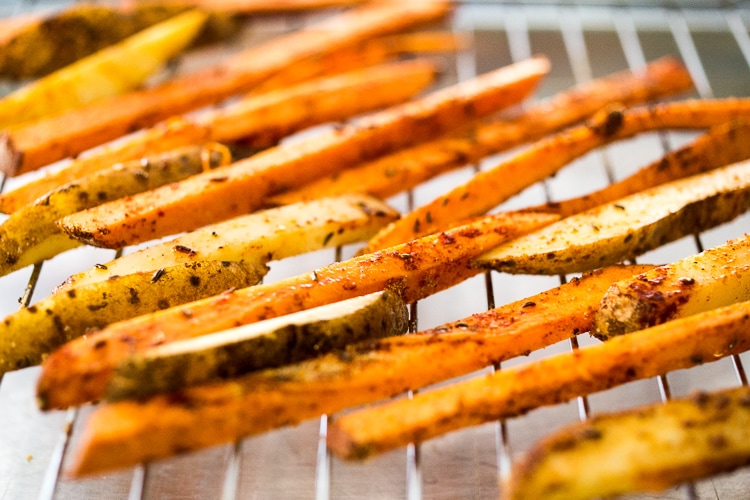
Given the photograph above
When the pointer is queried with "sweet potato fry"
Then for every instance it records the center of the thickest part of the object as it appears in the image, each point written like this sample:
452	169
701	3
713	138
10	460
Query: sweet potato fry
648	448
72	133
251	6
674	345
716	277
363	373
79	371
30	234
721	145
361	55
110	72
491	187
629	226
243	186
259	119
407	168
30	333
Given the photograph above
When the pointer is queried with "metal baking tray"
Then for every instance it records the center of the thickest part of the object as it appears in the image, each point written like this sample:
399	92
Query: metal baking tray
584	40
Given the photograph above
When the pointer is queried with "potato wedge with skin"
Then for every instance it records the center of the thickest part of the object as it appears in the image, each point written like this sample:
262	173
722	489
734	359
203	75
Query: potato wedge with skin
31	235
109	72
360	374
677	344
79	371
257	238
273	342
31	333
644	449
165	137
95	124
489	188
713	278
721	145
243	186
629	226
407	168
259	120
48	42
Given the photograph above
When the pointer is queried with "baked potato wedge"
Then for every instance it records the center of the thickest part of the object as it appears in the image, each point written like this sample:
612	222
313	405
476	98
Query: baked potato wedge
677	344
273	342
713	278
30	235
48	42
644	449
627	227
359	374
109	72
29	334
80	370
256	238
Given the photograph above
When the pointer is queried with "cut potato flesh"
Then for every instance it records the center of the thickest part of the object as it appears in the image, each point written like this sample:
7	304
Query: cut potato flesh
717	277
645	449
30	234
29	334
258	238
629	226
109	72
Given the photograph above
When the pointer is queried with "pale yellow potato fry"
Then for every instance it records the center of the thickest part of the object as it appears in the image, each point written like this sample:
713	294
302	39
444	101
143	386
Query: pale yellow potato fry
714	278
31	235
629	226
29	334
109	72
649	448
256	238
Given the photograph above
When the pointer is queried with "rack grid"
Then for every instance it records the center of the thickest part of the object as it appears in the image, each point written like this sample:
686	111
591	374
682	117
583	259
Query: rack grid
584	40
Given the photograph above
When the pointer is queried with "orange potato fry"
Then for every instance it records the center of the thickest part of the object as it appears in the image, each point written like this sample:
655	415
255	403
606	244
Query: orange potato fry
489	188
243	186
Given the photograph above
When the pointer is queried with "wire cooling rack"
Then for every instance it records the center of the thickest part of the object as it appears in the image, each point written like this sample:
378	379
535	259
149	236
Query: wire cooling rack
584	40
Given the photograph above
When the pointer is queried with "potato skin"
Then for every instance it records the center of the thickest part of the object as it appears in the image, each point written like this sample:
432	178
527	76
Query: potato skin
645	449
49	44
31	235
145	374
30	333
628	227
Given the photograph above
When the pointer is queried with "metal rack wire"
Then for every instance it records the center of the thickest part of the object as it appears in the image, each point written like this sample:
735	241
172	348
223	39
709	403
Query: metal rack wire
584	40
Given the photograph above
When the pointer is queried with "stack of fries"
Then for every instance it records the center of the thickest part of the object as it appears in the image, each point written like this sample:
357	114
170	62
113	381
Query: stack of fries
189	349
